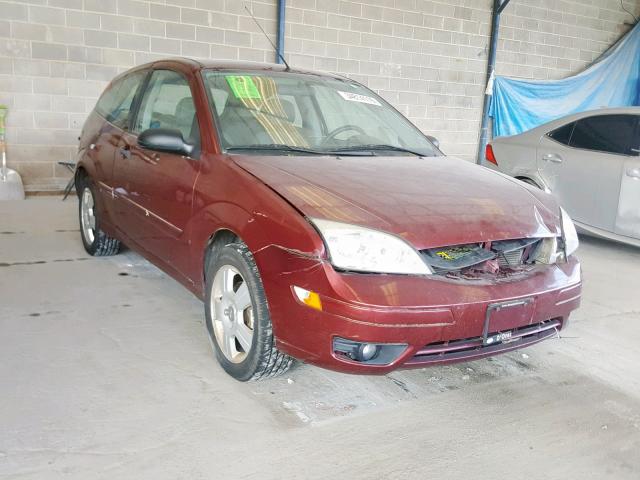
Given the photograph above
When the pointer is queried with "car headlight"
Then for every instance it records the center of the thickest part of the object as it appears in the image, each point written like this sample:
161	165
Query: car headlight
569	234
557	249
364	250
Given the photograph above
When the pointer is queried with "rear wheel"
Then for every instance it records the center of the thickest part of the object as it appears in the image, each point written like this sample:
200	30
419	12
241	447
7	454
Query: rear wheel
237	317
95	241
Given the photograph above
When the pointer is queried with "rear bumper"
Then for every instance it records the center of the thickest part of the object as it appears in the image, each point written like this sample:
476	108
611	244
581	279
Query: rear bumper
440	321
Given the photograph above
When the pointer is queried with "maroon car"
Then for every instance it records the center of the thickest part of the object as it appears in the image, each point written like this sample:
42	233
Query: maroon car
317	223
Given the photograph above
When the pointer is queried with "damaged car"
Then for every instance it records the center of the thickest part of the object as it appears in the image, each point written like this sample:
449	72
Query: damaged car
317	223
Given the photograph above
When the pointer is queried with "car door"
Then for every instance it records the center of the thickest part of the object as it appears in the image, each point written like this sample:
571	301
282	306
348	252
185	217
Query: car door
156	187
628	218
114	106
582	163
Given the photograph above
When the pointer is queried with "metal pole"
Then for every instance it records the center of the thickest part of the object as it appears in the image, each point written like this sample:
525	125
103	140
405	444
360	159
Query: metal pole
498	7
281	29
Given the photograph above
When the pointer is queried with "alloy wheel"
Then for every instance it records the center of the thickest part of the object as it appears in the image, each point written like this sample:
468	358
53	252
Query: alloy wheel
87	215
232	314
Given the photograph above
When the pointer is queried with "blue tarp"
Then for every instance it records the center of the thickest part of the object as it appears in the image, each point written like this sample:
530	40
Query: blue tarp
612	81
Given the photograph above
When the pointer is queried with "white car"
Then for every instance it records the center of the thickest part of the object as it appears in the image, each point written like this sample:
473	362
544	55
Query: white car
589	161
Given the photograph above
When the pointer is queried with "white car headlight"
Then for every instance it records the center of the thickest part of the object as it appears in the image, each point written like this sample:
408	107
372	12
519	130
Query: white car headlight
569	234
361	249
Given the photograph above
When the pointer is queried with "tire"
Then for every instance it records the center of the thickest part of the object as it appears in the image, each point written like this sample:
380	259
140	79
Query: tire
236	308
95	241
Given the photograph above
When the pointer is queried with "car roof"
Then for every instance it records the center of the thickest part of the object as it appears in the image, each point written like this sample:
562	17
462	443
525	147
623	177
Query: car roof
602	111
238	65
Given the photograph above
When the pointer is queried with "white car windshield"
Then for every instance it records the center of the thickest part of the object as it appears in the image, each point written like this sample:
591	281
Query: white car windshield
305	113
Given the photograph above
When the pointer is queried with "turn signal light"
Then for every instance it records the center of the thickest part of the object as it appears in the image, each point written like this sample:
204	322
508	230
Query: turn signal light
488	154
309	298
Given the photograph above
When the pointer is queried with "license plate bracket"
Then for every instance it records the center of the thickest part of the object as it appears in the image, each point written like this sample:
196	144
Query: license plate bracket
504	335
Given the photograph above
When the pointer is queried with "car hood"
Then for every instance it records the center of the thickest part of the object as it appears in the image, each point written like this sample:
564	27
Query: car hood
430	202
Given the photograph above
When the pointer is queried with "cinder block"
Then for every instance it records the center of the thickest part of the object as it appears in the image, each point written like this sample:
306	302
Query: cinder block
195	49
105	6
133	42
149	27
117	57
5	28
34	68
133	8
194	17
75	4
48	51
101	72
85	54
65	35
240	39
181	31
47	15
28	31
67	104
164	12
164	45
14	11
82	19
51	120
210	35
98	38
52	86
116	23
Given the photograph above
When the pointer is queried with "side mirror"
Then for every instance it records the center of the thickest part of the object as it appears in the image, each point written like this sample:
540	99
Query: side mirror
165	140
434	140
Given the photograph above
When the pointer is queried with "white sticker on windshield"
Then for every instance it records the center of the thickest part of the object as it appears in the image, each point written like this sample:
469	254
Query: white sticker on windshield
354	97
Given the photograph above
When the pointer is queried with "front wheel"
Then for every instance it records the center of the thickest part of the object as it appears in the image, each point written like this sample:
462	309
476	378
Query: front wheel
95	241
237	317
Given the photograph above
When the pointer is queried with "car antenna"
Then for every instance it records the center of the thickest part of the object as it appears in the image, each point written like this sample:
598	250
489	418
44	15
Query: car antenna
267	36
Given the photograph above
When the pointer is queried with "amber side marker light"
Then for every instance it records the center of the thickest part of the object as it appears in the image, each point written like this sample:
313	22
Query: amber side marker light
488	154
309	298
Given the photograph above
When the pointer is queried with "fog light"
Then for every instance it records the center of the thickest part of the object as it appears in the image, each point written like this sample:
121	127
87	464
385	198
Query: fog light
367	351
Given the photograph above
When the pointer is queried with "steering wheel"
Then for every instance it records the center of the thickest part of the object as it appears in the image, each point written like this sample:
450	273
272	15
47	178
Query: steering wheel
344	128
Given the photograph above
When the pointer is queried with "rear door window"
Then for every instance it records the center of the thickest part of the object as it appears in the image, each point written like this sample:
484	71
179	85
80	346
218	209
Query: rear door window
116	102
605	133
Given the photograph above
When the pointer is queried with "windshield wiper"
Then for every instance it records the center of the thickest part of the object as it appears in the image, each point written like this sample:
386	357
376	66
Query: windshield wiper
274	147
377	148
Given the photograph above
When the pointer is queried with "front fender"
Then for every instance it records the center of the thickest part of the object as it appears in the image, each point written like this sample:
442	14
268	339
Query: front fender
251	210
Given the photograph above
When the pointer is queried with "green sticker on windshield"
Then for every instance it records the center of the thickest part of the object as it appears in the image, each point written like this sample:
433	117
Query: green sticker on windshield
242	86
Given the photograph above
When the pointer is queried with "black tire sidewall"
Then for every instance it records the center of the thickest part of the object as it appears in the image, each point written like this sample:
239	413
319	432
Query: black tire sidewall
239	257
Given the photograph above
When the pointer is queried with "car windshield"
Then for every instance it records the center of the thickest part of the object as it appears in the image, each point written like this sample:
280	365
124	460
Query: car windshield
307	114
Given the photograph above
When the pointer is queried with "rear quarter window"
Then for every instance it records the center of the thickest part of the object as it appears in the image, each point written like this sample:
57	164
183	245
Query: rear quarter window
116	102
562	134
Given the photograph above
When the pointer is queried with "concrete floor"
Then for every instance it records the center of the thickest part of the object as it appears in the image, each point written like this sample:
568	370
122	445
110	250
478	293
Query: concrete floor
106	372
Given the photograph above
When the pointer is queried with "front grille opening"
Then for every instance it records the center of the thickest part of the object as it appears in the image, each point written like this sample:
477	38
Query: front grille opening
468	347
478	260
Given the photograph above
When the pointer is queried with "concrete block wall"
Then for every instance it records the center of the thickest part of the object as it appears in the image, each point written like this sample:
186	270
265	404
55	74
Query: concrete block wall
427	57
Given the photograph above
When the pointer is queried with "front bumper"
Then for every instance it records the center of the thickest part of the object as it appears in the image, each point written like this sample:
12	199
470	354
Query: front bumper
440	320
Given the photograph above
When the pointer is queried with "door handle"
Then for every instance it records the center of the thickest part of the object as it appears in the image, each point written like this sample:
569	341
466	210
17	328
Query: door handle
125	152
634	173
552	157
